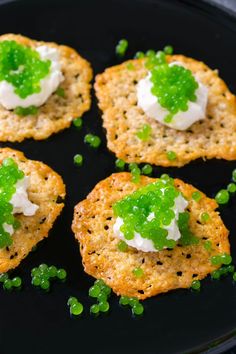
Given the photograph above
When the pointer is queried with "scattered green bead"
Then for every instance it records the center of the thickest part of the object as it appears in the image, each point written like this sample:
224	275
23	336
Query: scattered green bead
130	66
226	259
124	300
60	92
3	277
7	284
234	276
94	291
231	188
137	309
61	274
78	122
78	160
230	268
106	290
139	55
93	140
99	282
43	267
168	49
205	217
94	309
208	245
16	282
216	274
222	197
76	308
72	300
36	280
171	155
196	285
138	272
120	164
44	284
121	47
52	271
216	260
133	301
26	111
144	132
147	169
122	246
196	196
103	306
102	297
234	175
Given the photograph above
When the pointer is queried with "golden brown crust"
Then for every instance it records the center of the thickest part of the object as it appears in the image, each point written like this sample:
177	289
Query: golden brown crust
93	228
213	137
58	112
47	190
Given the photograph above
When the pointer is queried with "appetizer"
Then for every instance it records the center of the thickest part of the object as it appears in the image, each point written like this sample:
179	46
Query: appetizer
167	110
31	198
148	238
43	87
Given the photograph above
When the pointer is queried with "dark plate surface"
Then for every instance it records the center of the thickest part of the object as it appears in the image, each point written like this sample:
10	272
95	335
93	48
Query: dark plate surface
179	321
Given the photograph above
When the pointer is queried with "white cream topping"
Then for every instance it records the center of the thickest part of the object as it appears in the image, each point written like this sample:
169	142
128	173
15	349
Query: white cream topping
10	100
182	120
146	245
21	203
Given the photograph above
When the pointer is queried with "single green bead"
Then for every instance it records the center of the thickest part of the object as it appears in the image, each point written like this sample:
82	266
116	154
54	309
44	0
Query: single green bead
222	197
99	282
94	291
139	55
171	155
43	267
7	285
78	160
76	308
216	274
3	277
208	245
102	297
124	300
147	169
234	175
231	188
122	246
44	284
196	196
230	268
78	123
35	272
205	217
60	92
122	47
72	300
16	282
133	301
103	306
61	274
120	164
216	260
94	309
130	66
106	290
196	285
36	280
234	276
52	271
138	272
226	259
137	309
168	49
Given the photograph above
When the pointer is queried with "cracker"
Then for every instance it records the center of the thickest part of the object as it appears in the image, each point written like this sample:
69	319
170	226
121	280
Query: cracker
58	112
214	137
163	271
46	189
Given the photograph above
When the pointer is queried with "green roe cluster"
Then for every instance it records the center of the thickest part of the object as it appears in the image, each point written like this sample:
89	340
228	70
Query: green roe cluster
9	175
174	86
43	274
158	199
76	308
101	292
133	302
22	67
9	284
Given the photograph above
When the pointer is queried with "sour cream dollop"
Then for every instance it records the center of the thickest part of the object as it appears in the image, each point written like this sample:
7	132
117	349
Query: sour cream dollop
10	100
146	245
21	203
182	120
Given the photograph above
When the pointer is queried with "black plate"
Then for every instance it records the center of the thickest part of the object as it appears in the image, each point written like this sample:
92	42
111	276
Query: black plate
180	321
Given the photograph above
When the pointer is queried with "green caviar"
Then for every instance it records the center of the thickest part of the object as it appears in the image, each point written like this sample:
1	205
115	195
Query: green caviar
205	217
231	188
156	199
76	308
42	275
168	49
171	155
219	259
136	307
8	283
101	292
22	67
93	140
216	274
78	123
60	92
234	175
147	169
196	285
222	197
135	172
139	55
120	164
196	196
9	176
174	86
78	160
21	111
208	245
121	47
144	132
130	66
138	272
122	246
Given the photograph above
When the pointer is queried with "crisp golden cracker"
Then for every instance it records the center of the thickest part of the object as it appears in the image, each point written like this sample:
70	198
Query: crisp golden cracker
214	137
163	271
47	190
58	112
